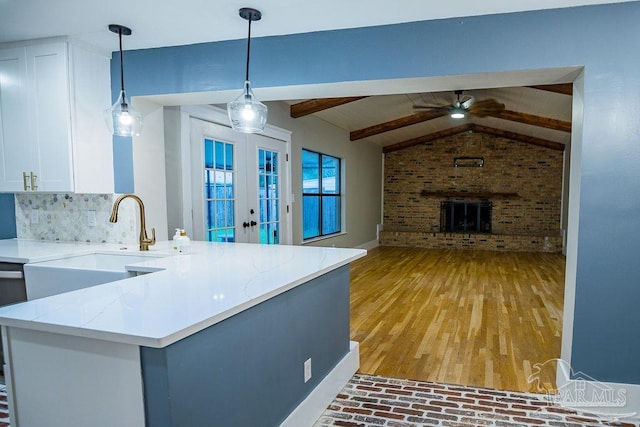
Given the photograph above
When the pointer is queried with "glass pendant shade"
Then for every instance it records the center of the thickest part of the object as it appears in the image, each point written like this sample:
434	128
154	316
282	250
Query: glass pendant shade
246	113
122	119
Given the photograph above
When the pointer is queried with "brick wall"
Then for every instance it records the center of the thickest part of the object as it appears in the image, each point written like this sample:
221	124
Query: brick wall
534	173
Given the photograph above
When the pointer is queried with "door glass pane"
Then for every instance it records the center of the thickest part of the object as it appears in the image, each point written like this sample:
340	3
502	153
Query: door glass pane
273	233
264	236
219	156
208	153
219	191
228	157
209	184
268	196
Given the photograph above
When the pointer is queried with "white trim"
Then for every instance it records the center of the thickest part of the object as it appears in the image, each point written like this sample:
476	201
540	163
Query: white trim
369	245
185	164
312	407
573	216
325	237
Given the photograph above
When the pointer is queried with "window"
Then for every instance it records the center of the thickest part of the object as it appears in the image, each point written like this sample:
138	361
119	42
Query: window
321	195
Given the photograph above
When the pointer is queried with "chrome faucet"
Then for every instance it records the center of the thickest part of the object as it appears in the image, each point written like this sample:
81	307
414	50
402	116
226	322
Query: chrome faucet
145	242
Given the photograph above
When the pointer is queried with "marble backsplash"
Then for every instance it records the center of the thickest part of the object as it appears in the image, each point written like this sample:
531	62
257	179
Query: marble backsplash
66	217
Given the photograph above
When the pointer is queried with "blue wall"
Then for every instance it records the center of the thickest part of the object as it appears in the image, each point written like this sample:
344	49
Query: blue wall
248	369
603	39
8	216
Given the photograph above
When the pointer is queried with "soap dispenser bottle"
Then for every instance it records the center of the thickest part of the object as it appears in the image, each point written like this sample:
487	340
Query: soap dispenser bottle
176	237
184	243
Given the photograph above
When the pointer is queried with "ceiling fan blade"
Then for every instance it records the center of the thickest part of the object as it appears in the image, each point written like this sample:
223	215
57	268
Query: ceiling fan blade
427	106
468	103
486	107
419	108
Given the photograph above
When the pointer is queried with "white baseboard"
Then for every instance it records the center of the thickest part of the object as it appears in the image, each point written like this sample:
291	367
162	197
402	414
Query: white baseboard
310	409
369	245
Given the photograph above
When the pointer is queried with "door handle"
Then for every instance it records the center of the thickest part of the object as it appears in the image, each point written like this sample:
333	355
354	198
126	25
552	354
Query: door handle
245	224
253	223
34	181
11	275
25	184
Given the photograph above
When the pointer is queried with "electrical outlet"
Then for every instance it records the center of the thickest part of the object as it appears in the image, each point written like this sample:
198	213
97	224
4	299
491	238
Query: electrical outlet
35	217
307	370
91	218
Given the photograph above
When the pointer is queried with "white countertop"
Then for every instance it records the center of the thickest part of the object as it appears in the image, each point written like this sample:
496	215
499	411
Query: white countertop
190	293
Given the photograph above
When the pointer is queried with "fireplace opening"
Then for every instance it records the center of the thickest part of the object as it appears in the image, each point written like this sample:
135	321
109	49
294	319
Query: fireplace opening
465	217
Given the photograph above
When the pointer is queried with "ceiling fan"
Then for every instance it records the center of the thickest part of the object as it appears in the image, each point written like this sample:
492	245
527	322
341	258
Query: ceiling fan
465	104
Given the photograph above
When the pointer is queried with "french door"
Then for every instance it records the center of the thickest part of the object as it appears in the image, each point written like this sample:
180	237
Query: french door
239	186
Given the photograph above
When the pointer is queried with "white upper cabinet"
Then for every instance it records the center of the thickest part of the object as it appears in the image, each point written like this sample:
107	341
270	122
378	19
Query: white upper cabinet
53	138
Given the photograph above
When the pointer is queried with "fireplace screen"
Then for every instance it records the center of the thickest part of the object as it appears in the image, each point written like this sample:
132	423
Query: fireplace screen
465	217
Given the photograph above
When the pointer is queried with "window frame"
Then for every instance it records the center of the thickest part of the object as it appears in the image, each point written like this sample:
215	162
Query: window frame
339	194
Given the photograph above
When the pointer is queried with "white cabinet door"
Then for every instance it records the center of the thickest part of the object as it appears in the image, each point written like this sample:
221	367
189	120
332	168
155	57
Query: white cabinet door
50	110
52	95
15	152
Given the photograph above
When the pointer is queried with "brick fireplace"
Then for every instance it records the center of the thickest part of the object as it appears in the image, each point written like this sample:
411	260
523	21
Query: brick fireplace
506	197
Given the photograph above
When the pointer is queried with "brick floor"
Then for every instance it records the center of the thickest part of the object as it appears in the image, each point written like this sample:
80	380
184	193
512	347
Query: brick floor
379	401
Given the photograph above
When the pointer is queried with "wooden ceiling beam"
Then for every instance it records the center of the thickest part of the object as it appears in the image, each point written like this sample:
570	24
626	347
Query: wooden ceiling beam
311	106
395	124
519	137
429	137
530	119
563	88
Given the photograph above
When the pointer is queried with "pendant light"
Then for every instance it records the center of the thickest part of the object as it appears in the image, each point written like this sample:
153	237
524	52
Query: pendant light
246	113
121	118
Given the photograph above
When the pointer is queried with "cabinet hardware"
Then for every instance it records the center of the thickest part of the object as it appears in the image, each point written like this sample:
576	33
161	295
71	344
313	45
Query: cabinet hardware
34	181
11	275
25	184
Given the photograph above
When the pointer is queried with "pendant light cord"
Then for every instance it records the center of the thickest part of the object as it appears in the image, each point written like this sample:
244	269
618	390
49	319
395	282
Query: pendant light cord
121	63
248	50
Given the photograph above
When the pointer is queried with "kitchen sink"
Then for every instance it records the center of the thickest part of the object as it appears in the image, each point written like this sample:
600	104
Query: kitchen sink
81	271
99	261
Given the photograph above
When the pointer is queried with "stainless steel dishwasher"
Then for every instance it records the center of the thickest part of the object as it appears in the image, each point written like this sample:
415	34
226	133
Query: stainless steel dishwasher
12	287
12	290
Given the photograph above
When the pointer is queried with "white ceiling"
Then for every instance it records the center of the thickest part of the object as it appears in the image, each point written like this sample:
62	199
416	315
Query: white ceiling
167	23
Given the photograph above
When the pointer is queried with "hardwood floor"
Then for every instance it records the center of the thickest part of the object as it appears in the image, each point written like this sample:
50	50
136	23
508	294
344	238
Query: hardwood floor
475	318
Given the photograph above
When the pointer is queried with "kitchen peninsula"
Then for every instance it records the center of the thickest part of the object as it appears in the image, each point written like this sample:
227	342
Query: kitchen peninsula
216	337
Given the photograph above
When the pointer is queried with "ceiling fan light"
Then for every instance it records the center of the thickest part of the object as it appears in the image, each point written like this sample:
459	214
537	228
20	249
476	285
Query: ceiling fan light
246	113
122	119
457	113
